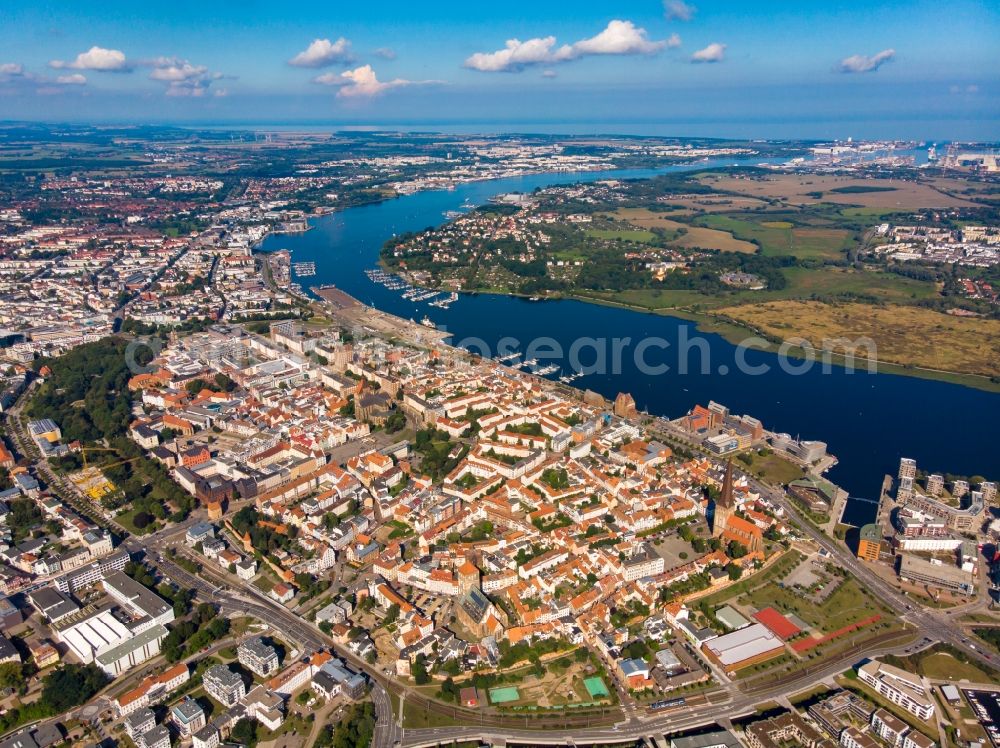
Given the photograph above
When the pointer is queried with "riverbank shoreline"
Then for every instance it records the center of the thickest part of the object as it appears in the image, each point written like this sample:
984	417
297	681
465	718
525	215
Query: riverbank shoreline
892	412
736	333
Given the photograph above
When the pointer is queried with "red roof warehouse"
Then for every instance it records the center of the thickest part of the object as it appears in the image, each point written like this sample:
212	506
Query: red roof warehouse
780	625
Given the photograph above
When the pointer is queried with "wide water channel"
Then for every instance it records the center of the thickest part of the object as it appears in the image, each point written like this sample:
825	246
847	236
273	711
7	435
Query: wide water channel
868	420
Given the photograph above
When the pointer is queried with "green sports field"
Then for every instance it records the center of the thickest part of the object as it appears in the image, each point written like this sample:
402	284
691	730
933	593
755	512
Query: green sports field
504	695
596	688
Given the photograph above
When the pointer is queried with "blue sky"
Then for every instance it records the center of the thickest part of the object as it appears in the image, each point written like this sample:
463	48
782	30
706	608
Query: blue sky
689	63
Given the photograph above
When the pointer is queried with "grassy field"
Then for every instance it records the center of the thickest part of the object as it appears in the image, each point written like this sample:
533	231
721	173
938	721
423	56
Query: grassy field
687	235
848	605
942	666
909	336
779	238
710	203
805	189
774	469
834	281
416	717
803	283
265	581
943	661
761	579
700	237
645	218
562	684
638	235
127	520
809	694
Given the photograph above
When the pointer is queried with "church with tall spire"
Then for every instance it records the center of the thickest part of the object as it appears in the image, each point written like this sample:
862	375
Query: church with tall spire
730	527
725	504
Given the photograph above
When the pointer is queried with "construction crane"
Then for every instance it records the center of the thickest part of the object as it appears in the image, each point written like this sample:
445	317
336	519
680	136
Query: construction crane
84	450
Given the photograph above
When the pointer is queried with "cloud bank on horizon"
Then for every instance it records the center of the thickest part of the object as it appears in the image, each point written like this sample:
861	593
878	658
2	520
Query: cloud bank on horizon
106	53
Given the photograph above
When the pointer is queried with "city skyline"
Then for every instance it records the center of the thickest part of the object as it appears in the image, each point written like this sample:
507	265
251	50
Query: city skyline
710	68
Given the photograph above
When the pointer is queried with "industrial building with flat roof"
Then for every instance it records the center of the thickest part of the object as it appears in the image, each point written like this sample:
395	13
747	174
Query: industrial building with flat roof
137	598
133	651
52	603
946	576
729	617
742	648
717	739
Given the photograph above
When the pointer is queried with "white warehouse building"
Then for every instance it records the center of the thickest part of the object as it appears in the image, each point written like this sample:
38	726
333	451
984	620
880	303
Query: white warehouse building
98	636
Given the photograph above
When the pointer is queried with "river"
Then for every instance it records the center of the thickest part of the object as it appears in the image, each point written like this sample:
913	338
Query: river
868	420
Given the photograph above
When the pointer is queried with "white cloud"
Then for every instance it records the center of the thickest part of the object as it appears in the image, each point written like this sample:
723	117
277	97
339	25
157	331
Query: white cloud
866	63
618	38
74	79
714	52
386	53
549	74
674	41
515	56
362	83
98	59
323	52
678	10
182	78
14	73
970	89
177	70
14	77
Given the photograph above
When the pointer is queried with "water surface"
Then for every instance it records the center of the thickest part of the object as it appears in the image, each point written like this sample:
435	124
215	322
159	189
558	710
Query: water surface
868	420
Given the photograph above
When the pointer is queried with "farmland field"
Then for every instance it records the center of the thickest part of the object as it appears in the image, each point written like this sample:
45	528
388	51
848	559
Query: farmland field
783	238
804	189
687	235
638	235
803	283
909	336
